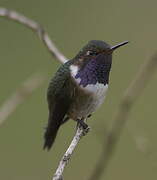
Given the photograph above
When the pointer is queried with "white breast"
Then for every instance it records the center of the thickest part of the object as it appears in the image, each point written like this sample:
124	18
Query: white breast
97	90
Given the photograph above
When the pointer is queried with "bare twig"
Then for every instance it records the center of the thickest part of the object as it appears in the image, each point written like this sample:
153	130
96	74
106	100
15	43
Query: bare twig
131	95
65	159
19	96
42	34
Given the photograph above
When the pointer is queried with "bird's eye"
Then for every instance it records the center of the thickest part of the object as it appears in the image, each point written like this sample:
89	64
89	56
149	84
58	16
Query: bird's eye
92	53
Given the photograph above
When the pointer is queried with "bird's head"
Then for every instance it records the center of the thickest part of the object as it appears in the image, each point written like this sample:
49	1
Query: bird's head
95	49
95	58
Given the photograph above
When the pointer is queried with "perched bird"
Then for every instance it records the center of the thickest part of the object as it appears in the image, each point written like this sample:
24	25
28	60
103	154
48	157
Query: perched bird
79	87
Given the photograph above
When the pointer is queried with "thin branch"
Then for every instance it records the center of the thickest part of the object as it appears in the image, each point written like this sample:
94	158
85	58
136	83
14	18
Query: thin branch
130	97
19	96
42	34
66	157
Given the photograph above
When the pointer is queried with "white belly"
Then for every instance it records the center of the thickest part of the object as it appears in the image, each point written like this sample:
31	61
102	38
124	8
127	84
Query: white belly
98	92
86	104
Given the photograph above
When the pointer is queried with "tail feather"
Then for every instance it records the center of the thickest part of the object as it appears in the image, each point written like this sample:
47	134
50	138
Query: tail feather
56	117
51	131
50	135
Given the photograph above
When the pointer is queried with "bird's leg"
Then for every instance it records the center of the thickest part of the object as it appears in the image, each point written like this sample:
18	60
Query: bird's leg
80	122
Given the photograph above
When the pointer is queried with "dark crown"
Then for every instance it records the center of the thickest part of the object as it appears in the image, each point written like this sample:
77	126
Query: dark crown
94	46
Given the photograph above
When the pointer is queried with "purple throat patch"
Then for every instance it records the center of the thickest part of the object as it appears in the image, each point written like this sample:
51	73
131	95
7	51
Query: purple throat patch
96	70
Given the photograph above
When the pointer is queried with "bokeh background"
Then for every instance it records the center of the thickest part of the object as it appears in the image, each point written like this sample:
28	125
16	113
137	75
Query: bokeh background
71	24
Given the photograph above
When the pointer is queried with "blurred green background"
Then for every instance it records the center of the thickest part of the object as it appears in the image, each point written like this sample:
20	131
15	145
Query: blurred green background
71	24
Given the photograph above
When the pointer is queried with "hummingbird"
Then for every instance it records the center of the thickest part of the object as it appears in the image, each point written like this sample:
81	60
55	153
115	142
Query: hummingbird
79	87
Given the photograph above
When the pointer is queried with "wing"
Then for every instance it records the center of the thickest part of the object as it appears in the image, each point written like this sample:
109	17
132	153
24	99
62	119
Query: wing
59	96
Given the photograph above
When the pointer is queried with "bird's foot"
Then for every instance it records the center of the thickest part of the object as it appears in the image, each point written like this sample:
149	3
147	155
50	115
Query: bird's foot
84	126
85	131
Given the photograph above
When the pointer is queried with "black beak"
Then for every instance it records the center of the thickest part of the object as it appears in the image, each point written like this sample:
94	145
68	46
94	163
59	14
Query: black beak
119	45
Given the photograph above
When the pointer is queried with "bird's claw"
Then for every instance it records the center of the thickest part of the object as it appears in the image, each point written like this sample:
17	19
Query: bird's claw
86	130
84	126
